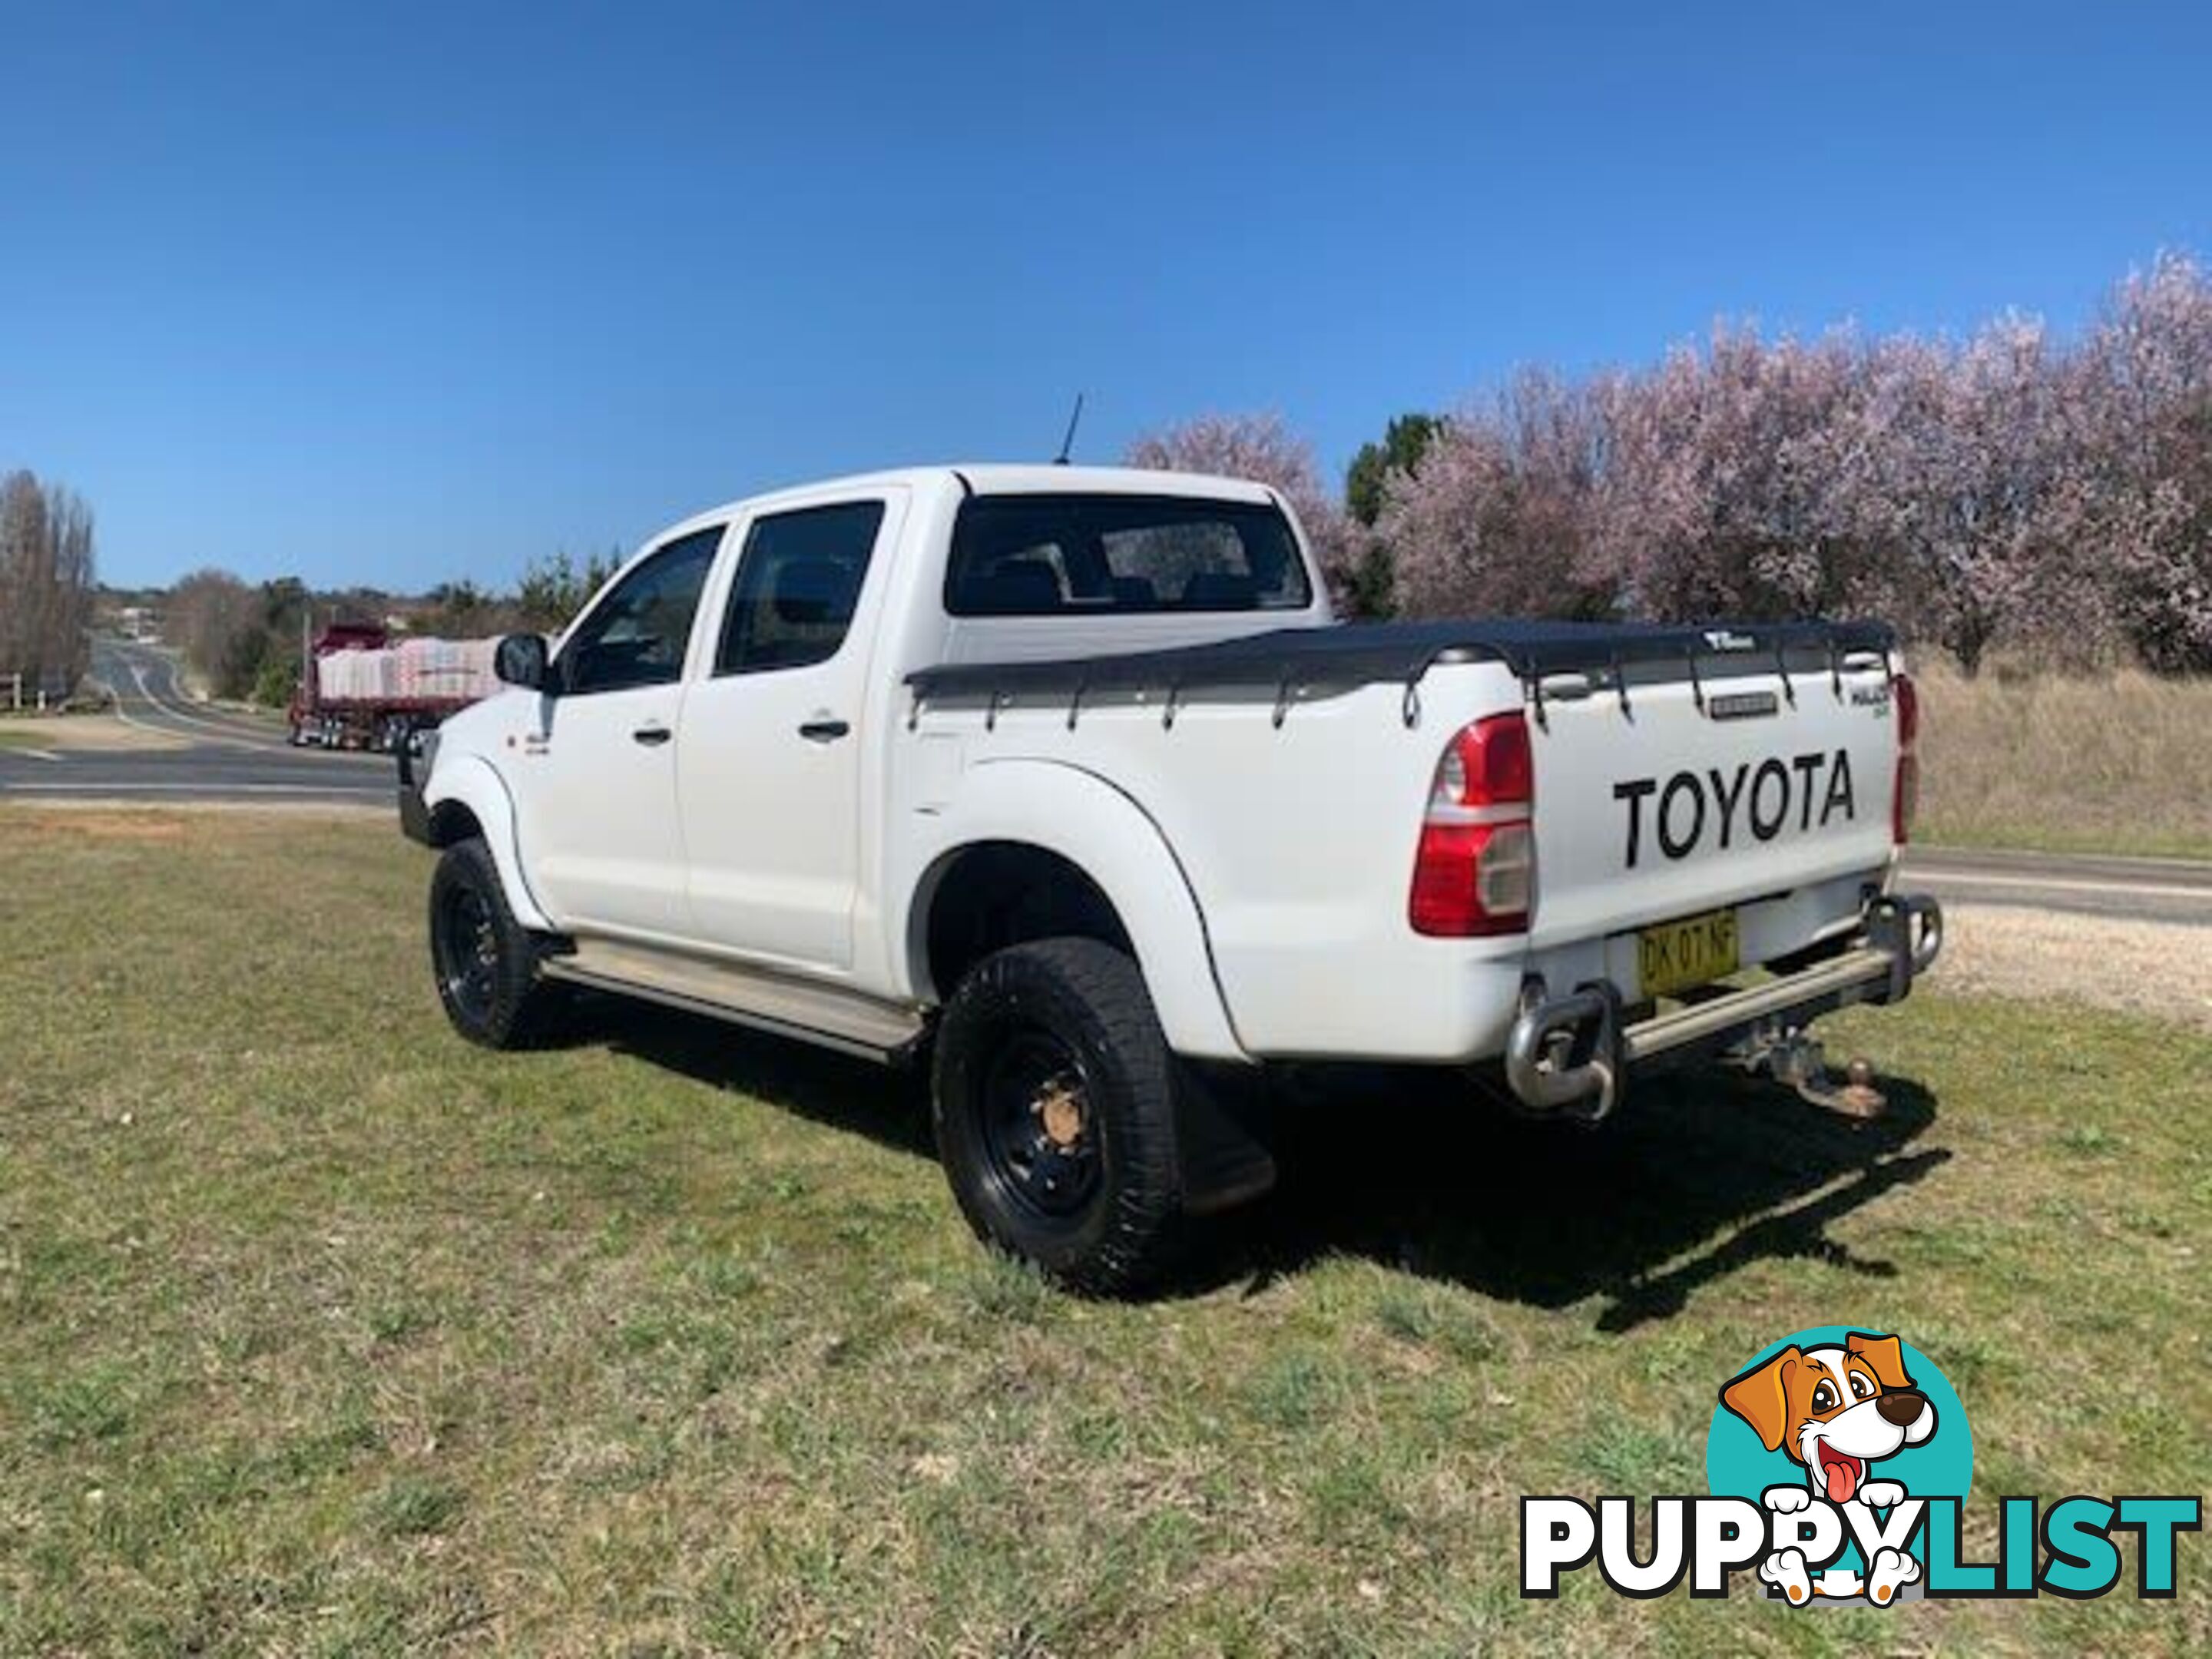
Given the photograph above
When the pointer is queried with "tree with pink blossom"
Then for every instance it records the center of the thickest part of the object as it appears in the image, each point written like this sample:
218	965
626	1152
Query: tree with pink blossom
2011	489
2148	373
1499	516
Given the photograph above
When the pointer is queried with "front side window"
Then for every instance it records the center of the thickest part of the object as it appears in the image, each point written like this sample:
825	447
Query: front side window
1049	556
797	585
637	635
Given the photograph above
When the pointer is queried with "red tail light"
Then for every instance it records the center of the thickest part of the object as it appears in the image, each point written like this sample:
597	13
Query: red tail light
1475	873
1905	799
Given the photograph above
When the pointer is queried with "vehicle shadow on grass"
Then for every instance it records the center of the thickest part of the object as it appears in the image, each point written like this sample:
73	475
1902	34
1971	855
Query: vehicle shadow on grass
1700	1175
838	1091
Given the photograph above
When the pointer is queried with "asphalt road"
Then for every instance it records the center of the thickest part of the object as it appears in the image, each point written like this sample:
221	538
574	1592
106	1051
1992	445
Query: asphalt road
2148	890
228	756
234	757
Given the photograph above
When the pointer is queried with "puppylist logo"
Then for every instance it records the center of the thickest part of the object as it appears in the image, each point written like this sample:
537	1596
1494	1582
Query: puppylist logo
1839	1461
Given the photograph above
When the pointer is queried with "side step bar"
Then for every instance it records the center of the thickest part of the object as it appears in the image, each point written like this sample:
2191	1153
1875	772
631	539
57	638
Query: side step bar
784	1004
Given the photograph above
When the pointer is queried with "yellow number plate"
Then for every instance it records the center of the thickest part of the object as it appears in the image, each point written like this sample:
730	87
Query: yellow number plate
1677	954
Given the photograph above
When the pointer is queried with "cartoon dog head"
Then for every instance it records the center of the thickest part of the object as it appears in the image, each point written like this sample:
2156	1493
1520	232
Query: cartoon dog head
1835	1410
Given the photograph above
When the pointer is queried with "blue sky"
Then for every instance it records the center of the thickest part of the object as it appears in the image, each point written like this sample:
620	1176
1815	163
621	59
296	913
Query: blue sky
376	293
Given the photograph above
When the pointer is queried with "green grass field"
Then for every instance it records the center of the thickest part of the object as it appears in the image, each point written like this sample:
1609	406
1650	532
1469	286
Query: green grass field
325	1333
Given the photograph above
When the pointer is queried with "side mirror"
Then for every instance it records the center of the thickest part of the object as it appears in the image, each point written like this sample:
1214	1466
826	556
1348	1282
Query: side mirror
521	661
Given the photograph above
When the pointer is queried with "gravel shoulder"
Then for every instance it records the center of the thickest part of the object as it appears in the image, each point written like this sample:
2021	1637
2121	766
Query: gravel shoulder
2162	968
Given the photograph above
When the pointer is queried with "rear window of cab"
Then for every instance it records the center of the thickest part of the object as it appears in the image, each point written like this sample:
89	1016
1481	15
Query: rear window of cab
1077	554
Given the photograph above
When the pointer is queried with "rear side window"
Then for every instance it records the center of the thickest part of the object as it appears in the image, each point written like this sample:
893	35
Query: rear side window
1052	556
797	584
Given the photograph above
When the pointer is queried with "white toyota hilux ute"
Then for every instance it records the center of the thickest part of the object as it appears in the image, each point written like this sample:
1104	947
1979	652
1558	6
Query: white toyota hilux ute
1067	778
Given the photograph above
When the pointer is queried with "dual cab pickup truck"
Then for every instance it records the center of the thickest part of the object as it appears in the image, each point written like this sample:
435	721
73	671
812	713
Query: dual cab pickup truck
1067	778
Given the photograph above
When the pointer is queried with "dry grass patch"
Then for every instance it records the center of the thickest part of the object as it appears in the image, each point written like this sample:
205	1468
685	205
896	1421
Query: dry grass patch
323	1333
100	733
71	824
2119	763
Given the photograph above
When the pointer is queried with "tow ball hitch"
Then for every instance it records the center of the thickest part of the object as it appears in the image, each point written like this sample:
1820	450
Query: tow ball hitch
1792	1057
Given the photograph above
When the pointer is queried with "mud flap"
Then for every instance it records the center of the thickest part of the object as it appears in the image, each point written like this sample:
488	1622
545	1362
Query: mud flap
1219	1112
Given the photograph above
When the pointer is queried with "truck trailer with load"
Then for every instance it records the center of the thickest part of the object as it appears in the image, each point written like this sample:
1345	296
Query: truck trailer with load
358	690
1067	780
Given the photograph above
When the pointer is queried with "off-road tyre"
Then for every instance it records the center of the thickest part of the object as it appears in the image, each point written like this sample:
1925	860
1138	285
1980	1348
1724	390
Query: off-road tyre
1118	1222
483	961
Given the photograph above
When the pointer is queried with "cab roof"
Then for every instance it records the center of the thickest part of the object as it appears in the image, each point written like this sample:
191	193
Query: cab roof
1005	479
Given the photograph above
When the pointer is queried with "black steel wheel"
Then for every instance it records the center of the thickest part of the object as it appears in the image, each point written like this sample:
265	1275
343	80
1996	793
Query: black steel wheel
1039	1138
484	961
464	946
1054	1096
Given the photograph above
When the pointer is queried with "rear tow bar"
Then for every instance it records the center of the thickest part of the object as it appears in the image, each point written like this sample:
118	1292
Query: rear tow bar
1573	1054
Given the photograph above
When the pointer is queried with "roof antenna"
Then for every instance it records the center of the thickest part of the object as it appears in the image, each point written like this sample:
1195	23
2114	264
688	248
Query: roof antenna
1068	442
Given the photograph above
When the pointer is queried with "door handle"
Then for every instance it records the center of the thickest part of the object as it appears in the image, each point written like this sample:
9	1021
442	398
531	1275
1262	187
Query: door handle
824	731
651	736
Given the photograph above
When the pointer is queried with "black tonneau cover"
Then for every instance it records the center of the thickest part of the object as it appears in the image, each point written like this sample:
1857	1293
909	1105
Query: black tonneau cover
1364	654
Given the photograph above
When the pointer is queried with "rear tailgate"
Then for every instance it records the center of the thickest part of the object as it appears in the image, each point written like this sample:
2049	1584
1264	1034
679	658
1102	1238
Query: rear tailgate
1662	794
